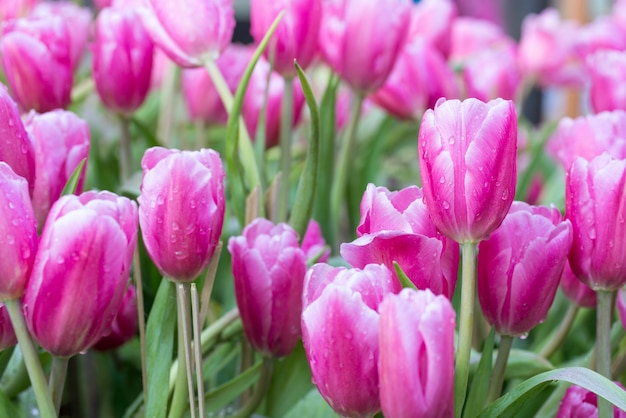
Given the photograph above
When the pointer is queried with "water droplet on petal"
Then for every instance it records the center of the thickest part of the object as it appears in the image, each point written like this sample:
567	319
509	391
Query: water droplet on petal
445	205
592	233
442	180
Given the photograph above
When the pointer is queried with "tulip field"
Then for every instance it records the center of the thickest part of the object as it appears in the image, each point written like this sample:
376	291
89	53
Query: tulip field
378	208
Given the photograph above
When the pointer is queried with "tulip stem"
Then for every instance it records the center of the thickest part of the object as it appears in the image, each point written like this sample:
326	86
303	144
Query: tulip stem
603	345
184	323
197	350
259	391
286	121
466	325
207	287
338	188
126	156
561	332
140	319
497	375
56	382
31	359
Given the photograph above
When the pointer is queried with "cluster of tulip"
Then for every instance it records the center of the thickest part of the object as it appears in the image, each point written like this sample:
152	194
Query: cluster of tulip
372	323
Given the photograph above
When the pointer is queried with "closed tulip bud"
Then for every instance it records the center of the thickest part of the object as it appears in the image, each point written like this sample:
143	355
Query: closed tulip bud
575	290
295	38
181	209
18	234
7	333
603	33
269	268
17	149
340	334
36	57
361	40
192	31
581	403
416	363
61	142
122	60
522	259
395	226
595	196
471	36
124	325
492	73
81	271
432	21
314	245
606	70
467	153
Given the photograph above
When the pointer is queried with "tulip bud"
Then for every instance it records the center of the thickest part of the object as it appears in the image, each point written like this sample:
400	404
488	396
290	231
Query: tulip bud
595	196
124	325
581	403
61	142
313	244
295	37
607	69
269	268
470	36
603	33
492	73
416	363
522	259
18	234
467	153
181	209
7	333
340	334
36	57
575	290
81	271
122	60
192	32
432	21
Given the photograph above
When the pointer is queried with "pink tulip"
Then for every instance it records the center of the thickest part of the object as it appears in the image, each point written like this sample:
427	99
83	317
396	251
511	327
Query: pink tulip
101	4
395	226
18	234
17	149
61	142
12	9
81	271
471	36
607	72
36	57
581	403
7	333
181	209
124	326
295	38
575	290
603	33
190	31
467	153
595	196
122	60
340	334
522	259
416	363
314	245
269	268
492	73
432	21
361	40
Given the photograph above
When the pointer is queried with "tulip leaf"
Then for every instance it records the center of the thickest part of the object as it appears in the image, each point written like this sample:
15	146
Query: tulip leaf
72	182
226	393
480	384
305	193
404	279
311	406
581	376
160	333
7	408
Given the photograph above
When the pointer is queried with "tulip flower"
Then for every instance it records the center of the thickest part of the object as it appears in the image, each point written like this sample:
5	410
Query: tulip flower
522	259
492	73
603	33
36	57
7	333
124	325
467	153
470	36
295	37
81	271
607	69
17	149
12	9
192	31
61	142
18	234
340	334
269	268
361	40
581	403
181	209
575	290
122	60
595	196
432	21
395	226
313	243
416	360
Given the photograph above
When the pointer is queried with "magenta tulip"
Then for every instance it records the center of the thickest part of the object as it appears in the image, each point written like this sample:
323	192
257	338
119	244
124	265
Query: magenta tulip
36	57
581	403
269	268
595	196
295	38
314	245
122	60
7	333
603	33
416	361
471	36
12	9
86	249
432	20
18	234
124	326
607	69
522	259
395	226
492	73
61	142
361	40
190	31
181	209
340	334
575	290
467	153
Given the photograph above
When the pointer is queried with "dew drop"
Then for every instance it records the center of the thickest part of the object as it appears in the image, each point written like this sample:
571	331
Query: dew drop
442	179
175	226
173	238
523	336
25	252
592	233
160	200
10	240
505	194
445	205
452	140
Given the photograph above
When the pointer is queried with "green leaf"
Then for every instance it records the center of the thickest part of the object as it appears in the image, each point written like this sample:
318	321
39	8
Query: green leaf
226	393
404	279
480	384
160	335
72	182
523	364
305	193
311	406
7	408
581	376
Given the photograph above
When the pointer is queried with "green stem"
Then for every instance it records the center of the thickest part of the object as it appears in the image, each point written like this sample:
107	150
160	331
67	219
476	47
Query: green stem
338	188
56	383
180	397
126	156
557	338
497	375
603	345
141	322
259	391
286	121
197	350
35	372
466	325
